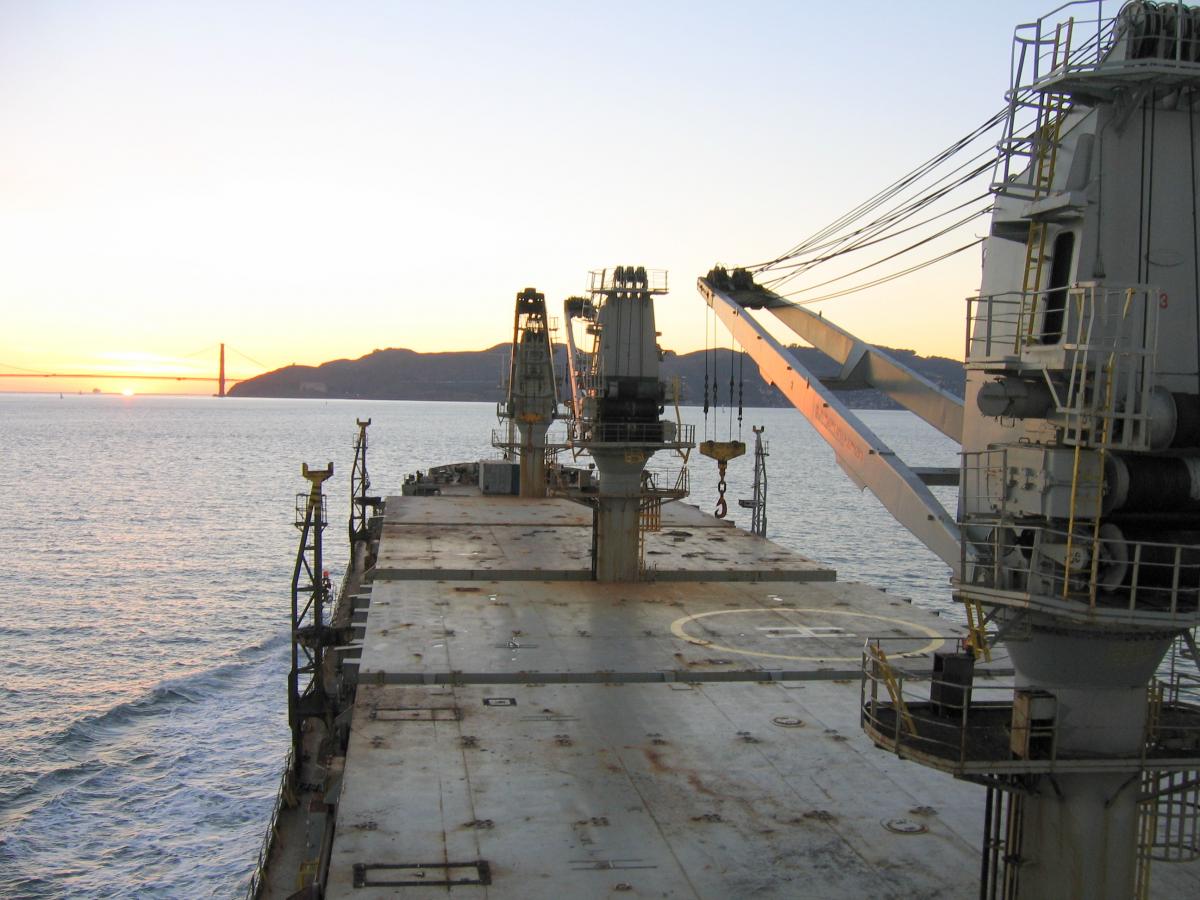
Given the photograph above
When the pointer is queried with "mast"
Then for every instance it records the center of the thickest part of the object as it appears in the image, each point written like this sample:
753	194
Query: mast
618	408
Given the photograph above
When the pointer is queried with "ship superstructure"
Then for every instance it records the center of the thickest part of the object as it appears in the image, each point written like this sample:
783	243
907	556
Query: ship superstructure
1079	527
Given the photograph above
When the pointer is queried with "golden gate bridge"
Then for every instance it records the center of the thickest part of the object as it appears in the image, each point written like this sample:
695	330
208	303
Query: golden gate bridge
221	379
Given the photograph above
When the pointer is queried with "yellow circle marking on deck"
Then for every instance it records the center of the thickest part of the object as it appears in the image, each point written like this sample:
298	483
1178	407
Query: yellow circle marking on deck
677	627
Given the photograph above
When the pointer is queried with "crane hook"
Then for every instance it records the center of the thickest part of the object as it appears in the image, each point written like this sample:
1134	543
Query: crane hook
722	507
722	452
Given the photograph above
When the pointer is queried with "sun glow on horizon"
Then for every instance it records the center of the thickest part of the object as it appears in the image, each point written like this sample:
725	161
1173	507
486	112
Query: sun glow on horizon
319	194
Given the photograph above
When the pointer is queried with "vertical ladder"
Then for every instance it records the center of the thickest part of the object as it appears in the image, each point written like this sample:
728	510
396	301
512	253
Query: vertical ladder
649	519
1093	426
1047	133
1001	852
977	637
1148	808
1014	834
1106	428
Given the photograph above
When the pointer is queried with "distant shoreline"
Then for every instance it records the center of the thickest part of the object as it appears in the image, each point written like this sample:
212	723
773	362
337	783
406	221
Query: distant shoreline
477	376
165	396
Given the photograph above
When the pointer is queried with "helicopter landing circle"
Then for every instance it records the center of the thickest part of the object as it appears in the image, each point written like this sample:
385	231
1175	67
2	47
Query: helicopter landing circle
796	626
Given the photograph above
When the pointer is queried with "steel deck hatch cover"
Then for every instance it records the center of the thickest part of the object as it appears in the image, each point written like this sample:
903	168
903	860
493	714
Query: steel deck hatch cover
424	874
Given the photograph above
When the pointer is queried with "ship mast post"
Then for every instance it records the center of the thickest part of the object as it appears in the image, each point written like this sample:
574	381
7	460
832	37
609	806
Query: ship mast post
617	405
531	404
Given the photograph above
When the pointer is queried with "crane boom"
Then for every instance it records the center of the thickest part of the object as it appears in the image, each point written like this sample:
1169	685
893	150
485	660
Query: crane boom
864	365
868	461
573	308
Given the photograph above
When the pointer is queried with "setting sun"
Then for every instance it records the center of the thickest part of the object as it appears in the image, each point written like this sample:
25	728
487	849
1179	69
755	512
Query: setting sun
127	392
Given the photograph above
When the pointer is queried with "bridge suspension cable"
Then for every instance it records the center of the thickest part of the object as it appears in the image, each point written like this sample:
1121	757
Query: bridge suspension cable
202	352
24	372
19	369
248	358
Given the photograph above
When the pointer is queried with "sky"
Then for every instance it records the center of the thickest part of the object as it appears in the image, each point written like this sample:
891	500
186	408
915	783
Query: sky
308	181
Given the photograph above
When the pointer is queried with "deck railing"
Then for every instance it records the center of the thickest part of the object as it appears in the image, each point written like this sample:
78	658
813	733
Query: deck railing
1083	40
258	878
628	278
957	726
1137	576
640	433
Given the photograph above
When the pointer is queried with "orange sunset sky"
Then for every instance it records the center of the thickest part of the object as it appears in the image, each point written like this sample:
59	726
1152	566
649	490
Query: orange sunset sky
308	181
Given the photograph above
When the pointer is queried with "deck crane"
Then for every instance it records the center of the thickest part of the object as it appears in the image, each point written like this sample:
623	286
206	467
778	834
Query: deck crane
532	401
865	457
617	402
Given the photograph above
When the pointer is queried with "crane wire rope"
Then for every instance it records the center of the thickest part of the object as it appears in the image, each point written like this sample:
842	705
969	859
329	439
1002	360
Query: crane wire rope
729	427
933	237
742	360
715	340
892	190
1195	228
1018	98
907	208
887	237
927	199
883	227
707	322
908	195
892	277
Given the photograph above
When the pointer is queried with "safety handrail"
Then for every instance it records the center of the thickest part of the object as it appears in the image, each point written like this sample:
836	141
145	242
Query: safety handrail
1135	575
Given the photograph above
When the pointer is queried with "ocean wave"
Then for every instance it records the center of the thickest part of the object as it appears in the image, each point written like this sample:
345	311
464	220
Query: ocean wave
13	802
82	751
169	695
267	644
159	699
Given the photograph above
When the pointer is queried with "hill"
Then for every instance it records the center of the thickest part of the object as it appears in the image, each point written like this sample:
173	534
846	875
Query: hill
398	374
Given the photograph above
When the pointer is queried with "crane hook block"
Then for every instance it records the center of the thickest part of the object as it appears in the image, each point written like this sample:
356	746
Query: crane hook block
722	451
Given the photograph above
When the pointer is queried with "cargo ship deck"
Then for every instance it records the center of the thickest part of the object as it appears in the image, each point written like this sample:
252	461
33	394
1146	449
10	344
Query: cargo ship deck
521	731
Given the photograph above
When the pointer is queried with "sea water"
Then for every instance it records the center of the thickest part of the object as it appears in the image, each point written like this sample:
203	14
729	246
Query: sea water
147	546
